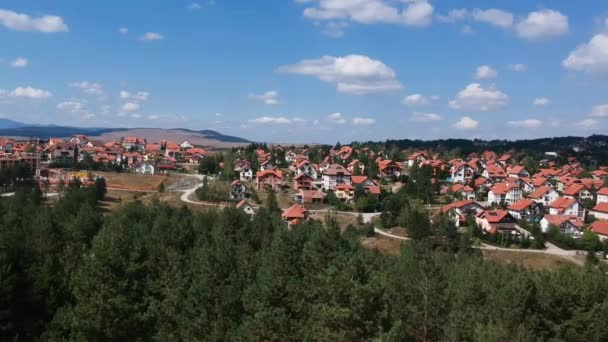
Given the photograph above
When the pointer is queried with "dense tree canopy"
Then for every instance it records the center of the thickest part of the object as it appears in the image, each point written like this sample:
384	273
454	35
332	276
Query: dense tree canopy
152	272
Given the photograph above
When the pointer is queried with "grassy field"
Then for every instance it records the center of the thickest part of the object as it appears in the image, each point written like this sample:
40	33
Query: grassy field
344	220
131	181
384	245
537	261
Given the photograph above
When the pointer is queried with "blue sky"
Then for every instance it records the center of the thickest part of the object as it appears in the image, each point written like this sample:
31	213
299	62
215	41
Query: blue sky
310	70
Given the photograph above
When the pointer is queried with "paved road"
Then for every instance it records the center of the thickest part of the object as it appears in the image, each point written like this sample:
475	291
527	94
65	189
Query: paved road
392	236
367	217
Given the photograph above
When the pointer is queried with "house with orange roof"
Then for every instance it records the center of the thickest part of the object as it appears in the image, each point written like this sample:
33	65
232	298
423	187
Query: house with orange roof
602	196
458	211
166	164
544	195
600	228
463	191
355	165
295	214
173	150
567	206
578	191
246	207
505	159
269	179
600	211
238	190
526	209
345	192
494	172
133	143
303	181
334	175
389	168
417	158
461	172
370	186
290	157
517	171
600	174
310	197
497	221
504	193
566	224
304	166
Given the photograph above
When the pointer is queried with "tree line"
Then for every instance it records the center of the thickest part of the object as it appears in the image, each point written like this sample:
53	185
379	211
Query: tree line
153	272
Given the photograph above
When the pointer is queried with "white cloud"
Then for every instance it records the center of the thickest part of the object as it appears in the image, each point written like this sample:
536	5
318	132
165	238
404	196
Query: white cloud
466	123
528	123
336	118
425	117
72	106
587	123
474	97
412	13
591	57
599	111
415	100
364	121
23	22
272	120
334	29
123	30
140	96
542	24
149	36
27	92
454	15
352	74
485	72
90	88
194	6
131	107
541	101
518	67
494	17
270	97
19	62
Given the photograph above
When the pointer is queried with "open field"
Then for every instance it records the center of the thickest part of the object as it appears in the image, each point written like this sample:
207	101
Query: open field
384	245
344	220
131	181
537	261
115	199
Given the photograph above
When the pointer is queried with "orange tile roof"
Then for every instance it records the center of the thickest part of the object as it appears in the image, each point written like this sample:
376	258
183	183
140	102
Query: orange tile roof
455	205
603	191
494	216
574	189
503	188
562	203
294	212
601	207
599	227
521	204
540	192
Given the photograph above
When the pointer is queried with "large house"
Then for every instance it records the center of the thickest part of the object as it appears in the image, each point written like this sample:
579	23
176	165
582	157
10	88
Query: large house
578	191
389	168
458	211
544	195
567	206
495	173
504	193
600	228
306	167
334	175
295	214
269	179
246	207
238	191
462	172
526	209
600	211
517	171
566	224
303	181
310	197
602	196
496	221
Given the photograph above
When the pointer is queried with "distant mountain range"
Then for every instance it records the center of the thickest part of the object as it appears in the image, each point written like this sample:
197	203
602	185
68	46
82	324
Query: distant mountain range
11	128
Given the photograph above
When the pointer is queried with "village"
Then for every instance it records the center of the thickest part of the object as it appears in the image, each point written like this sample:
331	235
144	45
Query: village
494	192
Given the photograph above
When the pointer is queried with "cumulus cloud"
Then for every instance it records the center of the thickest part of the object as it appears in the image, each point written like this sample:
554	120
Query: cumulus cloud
425	117
591	57
336	118
72	106
123	30
412	13
542	24
19	62
194	6
352	74
364	121
90	88
475	97
485	72
528	123
518	67
150	36
131	107
494	17
272	120
334	29
23	22
599	111
541	101
270	97
27	92
416	100
454	15
466	123
587	123
140	96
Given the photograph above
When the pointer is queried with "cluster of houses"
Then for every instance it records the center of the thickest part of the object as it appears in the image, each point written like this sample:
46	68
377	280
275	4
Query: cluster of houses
133	153
554	196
